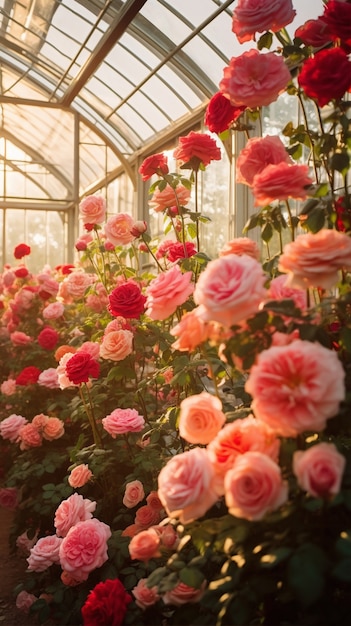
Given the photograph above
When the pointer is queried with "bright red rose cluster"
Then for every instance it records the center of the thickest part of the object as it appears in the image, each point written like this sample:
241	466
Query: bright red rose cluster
80	367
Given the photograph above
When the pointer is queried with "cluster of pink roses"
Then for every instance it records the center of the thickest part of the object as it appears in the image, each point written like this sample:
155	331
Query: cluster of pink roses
17	429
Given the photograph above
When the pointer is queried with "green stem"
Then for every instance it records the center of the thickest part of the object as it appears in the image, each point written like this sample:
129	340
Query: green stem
152	254
309	134
292	227
90	414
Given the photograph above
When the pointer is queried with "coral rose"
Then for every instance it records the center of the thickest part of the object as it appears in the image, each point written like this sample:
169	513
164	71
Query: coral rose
195	149
279	290
44	553
254	79
251	16
230	289
116	345
117	229
122	421
8	387
168	197
53	429
201	417
29	437
10	427
80	476
280	182
106	604
220	113
257	154
18	338
167	291
296	387
71	511
80	367
145	545
326	76
186	485
92	210
154	164
319	469
147	516
145	596
240	246
254	486
183	594
133	494
126	300
315	259
84	548
191	332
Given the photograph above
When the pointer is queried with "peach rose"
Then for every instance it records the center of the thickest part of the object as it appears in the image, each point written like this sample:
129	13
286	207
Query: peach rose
71	511
10	427
131	530
296	387
191	332
319	469
145	596
122	421
257	154
116	345
254	79
168	291
84	548
145	545
186	485
48	378
315	260
201	418
80	476
183	594
168	197
92	210
44	553
134	493
147	516
53	311
77	283
53	429
280	182
118	229
240	246
230	289
251	16
39	421
254	486
29	437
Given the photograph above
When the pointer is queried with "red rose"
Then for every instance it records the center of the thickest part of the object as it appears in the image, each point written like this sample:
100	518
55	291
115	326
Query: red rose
21	272
106	604
343	213
176	251
48	338
220	113
196	148
28	376
326	76
80	366
154	164
127	301
21	250
314	33
337	16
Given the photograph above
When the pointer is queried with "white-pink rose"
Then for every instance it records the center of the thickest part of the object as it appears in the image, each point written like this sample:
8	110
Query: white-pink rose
167	291
77	283
8	387
116	345
71	511
53	311
118	229
84	548
44	553
10	427
201	418
319	469
134	493
80	476
49	378
279	290
122	421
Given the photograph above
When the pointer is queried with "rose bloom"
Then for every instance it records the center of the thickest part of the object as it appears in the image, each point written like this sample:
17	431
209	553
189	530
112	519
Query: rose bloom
21	272
106	604
24	601
68	580
18	338
186	485
8	387
116	345
254	79
80	367
201	417
337	16
254	486
279	290
179	250
9	498
71	511
92	348
62	350
126	300
315	259
296	387
197	148
44	553
29	437
53	311
134	493
10	427
62	377
92	210
319	470
147	516
145	545
220	113
240	246
183	594
191	332
251	16
167	291
48	378
154	164
28	376
24	543
122	421
314	33
326	76
21	250
145	596
53	429
280	182
257	154
117	229
48	338
84	548
39	421
169	197
230	289
80	476
77	283
48	287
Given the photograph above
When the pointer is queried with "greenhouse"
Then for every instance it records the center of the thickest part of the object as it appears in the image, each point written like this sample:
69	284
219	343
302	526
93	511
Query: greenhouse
175	322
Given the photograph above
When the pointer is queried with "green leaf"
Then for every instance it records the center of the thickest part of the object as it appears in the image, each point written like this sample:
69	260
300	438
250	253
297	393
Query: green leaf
267	232
265	41
191	576
340	162
306	573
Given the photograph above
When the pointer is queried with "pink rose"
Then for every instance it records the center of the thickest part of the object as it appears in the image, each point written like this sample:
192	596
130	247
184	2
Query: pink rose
240	246
279	290
169	197
201	418
44	553
254	486
186	485
9	498
92	210
254	79
191	332
49	378
39	421
116	345
145	596
53	429
29	437
319	470
147	516
134	493
24	543
252	16
280	182
230	289
79	476
315	260
53	311
77	283
24	601
62	377
257	154
118	229
296	387
183	594
122	421
19	339
168	291
71	511
195	149
145	545
8	387
10	427
84	548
